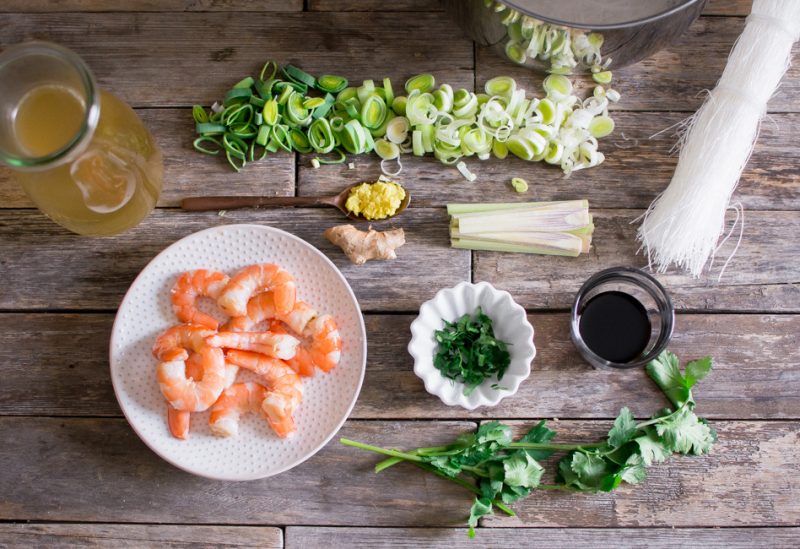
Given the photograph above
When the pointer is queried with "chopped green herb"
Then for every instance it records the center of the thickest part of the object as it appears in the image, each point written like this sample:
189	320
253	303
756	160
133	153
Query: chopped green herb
469	353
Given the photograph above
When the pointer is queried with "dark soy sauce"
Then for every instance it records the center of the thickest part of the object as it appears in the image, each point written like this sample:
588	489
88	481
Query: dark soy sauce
615	326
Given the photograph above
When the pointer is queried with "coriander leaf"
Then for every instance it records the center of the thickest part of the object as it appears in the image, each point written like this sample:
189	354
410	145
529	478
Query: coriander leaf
538	434
634	471
698	369
609	483
522	470
664	370
684	432
445	465
494	431
652	450
480	508
511	494
623	430
590	470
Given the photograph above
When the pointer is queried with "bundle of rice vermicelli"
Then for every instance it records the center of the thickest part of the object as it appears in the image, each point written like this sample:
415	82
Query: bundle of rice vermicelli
684	224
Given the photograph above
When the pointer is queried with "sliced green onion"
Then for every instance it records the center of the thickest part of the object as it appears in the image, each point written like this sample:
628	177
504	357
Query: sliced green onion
320	136
331	83
603	77
325	108
386	149
236	95
300	142
468	175
365	91
499	149
338	160
245	83
282	137
353	137
601	126
388	91
295	112
285	94
262	138
613	96
501	85
443	98
297	75
313	102
209	128
547	111
420	109
421	82
267	66
199	114
397	129
519	184
373	112
198	145
399	105
346	94
270	112
315	163
557	86
416	143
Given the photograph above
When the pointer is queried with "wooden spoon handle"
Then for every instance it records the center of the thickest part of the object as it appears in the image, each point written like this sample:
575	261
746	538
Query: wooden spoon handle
205	203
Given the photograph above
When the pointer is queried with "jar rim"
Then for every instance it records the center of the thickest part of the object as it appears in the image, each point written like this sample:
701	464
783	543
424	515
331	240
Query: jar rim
91	114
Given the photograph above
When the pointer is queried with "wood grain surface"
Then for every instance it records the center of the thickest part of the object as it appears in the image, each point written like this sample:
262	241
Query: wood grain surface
50	6
756	373
72	272
298	537
735	486
64	536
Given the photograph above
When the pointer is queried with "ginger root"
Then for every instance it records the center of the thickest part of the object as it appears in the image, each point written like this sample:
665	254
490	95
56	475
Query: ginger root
361	246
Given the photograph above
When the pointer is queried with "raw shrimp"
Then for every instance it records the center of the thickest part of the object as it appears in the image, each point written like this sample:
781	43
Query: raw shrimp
179	420
262	307
255	279
276	345
191	285
285	388
236	400
172	349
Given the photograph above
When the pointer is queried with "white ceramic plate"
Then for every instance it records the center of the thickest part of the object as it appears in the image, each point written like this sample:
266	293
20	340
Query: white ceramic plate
510	324
256	452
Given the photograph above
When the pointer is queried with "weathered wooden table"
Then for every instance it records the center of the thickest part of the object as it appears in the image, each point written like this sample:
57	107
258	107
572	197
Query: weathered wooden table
72	469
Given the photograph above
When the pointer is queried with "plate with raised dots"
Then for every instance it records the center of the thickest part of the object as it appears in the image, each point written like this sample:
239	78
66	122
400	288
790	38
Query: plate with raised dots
256	452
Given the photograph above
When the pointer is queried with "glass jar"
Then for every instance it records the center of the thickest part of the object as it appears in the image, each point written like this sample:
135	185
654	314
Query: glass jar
82	155
638	293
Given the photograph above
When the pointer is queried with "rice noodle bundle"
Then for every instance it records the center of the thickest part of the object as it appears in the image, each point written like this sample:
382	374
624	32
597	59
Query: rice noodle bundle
684	223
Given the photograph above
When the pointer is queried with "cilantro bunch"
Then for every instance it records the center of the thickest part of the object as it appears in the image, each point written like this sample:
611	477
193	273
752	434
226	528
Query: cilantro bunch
502	471
469	353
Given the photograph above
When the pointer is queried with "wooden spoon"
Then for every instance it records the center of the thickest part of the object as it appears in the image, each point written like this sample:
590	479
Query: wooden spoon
206	203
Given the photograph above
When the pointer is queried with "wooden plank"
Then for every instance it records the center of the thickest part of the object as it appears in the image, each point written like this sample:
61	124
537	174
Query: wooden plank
54	269
299	537
636	170
749	479
757	372
373	5
728	7
129	483
186	171
50	6
152	60
762	276
63	536
671	80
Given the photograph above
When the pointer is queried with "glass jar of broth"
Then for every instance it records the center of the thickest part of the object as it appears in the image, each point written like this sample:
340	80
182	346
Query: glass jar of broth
82	155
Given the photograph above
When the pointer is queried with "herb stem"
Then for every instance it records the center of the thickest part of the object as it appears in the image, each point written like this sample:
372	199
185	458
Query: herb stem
464	484
475	471
379	450
553	446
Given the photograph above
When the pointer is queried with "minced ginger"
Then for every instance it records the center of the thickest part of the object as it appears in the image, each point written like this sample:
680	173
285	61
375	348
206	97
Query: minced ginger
377	200
361	246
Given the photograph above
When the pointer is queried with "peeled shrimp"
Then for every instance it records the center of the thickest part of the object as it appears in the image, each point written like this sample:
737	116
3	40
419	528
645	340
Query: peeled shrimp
179	420
275	345
172	349
255	279
301	362
262	307
191	285
326	343
285	388
236	400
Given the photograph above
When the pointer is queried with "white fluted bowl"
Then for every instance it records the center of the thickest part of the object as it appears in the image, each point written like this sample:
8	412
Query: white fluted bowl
510	324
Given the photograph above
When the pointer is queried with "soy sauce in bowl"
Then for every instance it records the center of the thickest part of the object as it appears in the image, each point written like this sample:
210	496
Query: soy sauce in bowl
615	326
621	318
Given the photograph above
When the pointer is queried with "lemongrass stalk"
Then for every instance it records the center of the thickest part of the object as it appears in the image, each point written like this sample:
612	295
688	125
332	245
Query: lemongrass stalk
570	244
458	208
557	220
472	244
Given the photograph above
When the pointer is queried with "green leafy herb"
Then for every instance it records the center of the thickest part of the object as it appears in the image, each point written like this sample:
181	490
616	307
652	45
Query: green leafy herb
469	353
500	471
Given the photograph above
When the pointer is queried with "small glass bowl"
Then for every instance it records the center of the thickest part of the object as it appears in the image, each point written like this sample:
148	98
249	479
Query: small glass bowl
647	291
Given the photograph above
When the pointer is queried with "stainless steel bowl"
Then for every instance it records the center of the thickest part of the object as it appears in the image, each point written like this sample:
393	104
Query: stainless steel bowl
574	36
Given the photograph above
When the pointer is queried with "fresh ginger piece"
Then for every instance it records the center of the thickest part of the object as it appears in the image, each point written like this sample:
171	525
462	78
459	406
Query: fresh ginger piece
361	246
